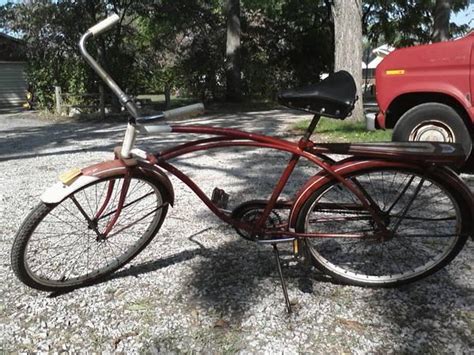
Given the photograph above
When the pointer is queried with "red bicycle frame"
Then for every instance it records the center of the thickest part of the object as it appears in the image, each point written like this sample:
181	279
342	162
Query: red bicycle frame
235	138
231	138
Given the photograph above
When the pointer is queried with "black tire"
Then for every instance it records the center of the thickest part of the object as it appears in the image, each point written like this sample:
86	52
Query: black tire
425	239
432	122
56	249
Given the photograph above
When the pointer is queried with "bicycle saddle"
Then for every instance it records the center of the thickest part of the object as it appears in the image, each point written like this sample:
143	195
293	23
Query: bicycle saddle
333	97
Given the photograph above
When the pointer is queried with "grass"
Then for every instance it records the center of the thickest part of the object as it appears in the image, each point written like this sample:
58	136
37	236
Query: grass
331	130
159	100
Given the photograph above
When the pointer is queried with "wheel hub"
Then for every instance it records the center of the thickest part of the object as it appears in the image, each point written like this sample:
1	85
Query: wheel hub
433	131
381	235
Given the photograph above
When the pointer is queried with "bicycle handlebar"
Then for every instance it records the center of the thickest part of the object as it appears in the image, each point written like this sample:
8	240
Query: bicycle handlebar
104	25
184	112
125	100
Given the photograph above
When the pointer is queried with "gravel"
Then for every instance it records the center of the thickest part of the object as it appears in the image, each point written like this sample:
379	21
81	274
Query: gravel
198	287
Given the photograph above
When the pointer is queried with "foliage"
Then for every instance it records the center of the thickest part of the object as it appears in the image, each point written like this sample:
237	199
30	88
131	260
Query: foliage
179	46
52	30
283	43
288	44
404	23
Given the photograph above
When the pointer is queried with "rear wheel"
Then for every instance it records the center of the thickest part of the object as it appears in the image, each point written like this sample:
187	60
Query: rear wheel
64	245
424	218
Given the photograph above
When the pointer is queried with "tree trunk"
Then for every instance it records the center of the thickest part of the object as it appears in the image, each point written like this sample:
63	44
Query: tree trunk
234	87
347	15
167	96
101	101
441	16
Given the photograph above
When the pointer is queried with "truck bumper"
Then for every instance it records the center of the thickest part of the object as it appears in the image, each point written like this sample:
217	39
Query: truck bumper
380	120
374	121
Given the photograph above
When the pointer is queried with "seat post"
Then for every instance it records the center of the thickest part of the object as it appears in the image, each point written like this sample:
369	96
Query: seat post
310	129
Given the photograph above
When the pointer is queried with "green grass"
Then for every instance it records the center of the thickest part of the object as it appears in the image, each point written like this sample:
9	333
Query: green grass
159	100
332	130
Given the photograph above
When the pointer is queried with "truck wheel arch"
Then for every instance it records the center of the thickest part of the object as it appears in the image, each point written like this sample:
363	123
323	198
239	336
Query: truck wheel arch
404	102
434	122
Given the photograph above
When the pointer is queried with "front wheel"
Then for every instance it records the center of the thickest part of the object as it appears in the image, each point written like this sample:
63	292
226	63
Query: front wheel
427	221
68	245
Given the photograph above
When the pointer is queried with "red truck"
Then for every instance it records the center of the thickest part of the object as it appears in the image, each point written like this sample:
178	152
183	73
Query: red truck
426	92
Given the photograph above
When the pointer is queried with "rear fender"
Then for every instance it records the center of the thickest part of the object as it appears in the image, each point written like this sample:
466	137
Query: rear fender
60	190
351	165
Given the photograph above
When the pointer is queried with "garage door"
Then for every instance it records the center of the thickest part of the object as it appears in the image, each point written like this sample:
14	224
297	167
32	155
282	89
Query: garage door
12	84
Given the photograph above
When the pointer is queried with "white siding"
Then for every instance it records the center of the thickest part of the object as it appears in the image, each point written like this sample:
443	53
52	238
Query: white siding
12	84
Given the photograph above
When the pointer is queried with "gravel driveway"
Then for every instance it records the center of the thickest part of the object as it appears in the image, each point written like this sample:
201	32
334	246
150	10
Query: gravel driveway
198	286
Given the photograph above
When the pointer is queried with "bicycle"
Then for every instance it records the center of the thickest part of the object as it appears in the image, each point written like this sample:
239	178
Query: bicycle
390	214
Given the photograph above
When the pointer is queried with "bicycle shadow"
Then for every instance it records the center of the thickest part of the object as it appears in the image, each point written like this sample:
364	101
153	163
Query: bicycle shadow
232	280
237	281
227	278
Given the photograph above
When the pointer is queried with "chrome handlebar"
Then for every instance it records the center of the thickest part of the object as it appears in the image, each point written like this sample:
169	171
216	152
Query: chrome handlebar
124	99
104	25
133	126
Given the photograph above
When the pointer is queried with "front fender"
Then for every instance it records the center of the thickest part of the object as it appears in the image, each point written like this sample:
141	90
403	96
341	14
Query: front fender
109	168
59	191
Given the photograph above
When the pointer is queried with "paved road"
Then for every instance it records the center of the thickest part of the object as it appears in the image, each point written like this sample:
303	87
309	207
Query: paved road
198	287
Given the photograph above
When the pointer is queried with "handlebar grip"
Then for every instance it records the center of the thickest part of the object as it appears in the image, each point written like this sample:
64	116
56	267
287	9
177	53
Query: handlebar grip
104	25
184	112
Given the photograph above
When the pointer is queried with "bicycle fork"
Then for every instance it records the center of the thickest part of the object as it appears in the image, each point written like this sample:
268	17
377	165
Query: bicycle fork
116	214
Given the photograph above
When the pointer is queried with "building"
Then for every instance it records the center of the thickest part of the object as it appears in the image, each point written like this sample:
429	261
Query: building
368	70
13	83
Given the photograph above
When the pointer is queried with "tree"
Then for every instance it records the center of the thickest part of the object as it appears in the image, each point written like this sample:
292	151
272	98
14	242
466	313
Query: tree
51	31
441	16
251	48
286	43
401	23
347	17
233	70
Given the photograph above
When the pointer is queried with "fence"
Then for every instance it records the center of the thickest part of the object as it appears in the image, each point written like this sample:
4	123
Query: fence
96	102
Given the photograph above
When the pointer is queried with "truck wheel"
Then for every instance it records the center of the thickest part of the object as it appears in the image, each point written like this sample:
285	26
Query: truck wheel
432	122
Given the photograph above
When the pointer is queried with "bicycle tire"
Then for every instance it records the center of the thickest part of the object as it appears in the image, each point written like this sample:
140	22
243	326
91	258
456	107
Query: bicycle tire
86	258
412	251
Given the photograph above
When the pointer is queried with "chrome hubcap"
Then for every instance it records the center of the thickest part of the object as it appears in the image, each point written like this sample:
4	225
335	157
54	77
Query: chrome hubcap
433	131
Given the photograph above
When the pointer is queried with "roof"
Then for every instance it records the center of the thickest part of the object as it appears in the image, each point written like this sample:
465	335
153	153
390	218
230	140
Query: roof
12	49
383	50
11	38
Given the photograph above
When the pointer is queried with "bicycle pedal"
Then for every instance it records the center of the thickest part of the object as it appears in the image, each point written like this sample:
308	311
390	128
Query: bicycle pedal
220	198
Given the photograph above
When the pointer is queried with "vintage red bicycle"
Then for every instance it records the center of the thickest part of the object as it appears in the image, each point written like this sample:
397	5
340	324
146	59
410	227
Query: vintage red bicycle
389	214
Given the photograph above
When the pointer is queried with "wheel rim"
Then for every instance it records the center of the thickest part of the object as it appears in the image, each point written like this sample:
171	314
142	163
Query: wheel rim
433	131
64	251
411	252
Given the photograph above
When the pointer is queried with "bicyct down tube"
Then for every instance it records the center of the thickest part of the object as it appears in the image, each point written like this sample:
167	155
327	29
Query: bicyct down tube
233	138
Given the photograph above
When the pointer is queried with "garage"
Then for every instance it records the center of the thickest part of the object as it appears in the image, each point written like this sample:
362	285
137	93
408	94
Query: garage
13	83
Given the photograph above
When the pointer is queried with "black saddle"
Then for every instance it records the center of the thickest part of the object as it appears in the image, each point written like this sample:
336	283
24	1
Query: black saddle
333	97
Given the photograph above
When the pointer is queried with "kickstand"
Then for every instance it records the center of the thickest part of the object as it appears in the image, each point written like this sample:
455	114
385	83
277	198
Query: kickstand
280	273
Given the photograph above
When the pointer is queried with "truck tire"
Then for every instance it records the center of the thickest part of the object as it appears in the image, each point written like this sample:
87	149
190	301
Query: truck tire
432	122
